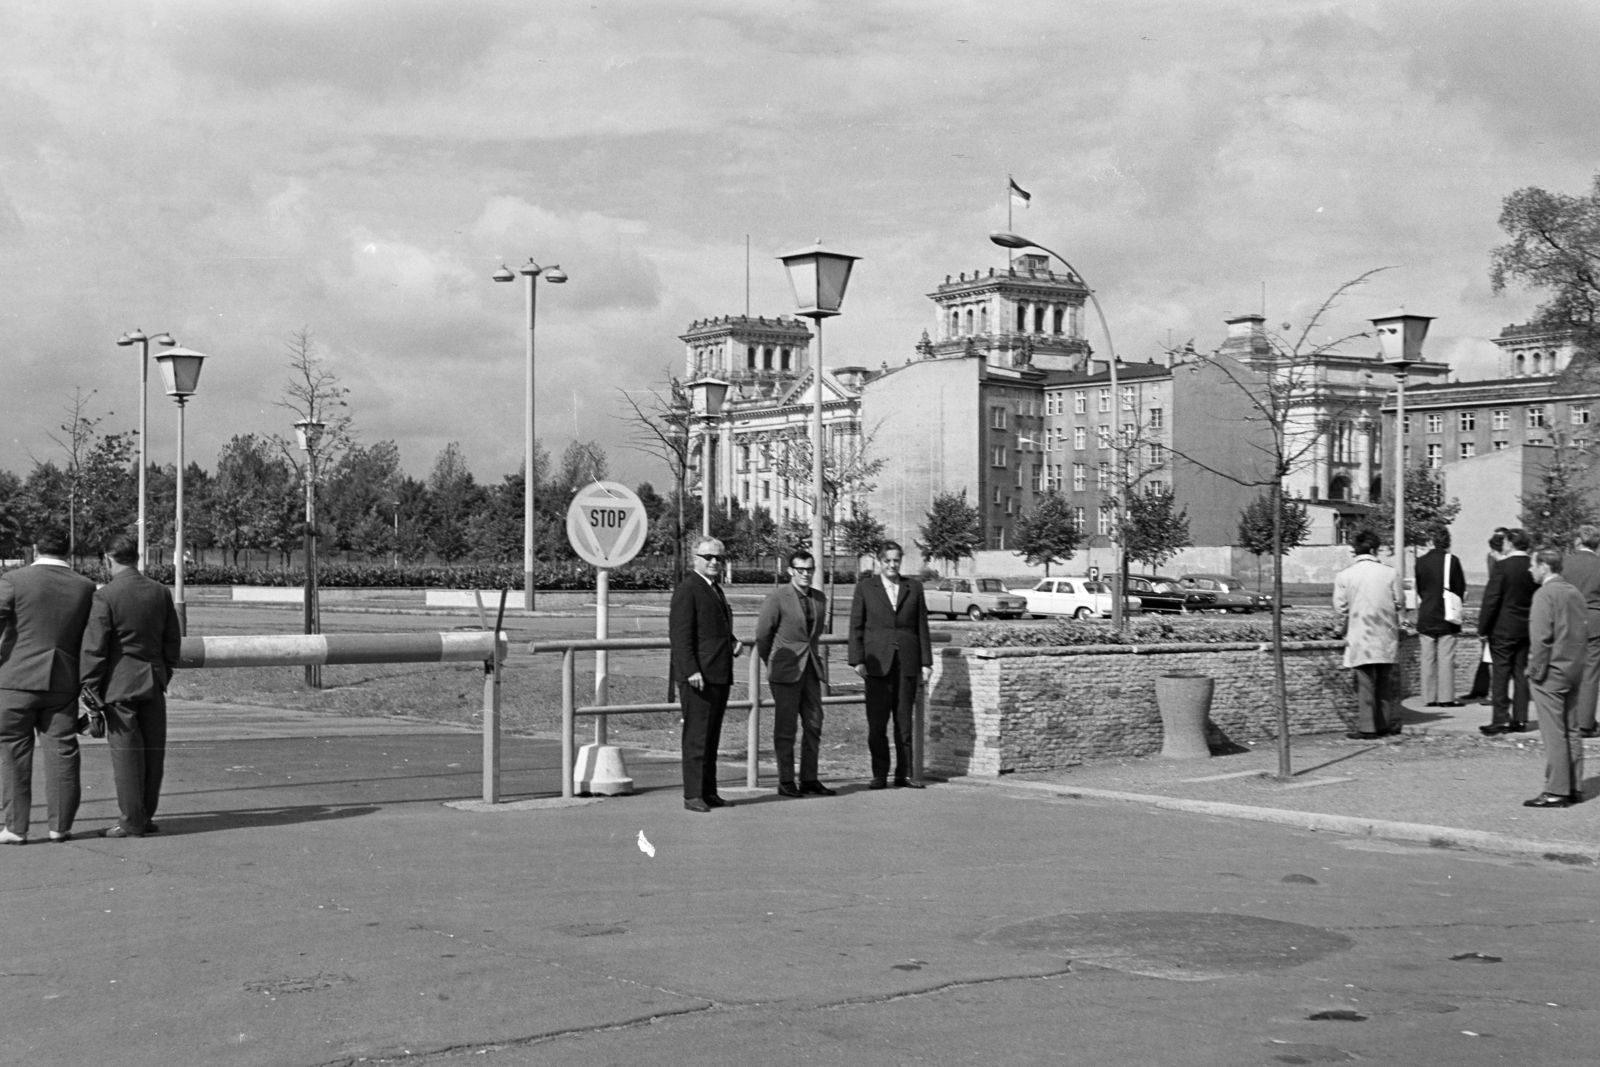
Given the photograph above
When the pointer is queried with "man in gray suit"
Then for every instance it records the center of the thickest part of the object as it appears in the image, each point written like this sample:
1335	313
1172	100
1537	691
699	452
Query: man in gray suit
786	639
1582	569
129	652
43	609
1558	636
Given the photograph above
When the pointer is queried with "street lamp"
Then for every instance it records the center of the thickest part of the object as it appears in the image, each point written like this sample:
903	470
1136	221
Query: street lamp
137	337
1400	336
308	431
180	373
819	278
1120	561
706	397
555	275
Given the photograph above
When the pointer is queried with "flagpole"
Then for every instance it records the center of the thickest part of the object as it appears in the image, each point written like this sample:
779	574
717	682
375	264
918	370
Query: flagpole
1010	201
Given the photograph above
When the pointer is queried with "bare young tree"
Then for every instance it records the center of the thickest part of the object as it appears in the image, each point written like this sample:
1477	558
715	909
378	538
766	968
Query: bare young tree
659	426
82	431
313	393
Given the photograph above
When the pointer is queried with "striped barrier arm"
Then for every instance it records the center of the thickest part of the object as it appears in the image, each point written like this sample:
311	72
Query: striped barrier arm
296	650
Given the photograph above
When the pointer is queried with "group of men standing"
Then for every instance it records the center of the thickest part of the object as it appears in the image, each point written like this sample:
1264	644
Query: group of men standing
115	647
889	647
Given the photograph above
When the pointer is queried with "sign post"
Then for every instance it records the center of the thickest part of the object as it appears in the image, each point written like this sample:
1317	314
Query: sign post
606	526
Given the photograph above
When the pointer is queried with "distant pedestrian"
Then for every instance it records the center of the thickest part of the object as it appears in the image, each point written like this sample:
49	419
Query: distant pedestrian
1503	622
1480	678
1364	603
791	622
43	610
890	648
1558	631
1441	590
700	625
1582	569
129	653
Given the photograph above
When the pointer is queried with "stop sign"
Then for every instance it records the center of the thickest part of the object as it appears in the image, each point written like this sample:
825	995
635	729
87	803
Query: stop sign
607	524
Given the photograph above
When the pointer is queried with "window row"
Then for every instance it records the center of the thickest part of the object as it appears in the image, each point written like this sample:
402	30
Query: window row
1535	417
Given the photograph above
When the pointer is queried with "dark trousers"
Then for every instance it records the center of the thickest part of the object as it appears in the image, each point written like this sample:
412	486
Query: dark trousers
1374	707
54	716
702	731
893	696
1563	746
797	704
1508	682
1589	692
136	730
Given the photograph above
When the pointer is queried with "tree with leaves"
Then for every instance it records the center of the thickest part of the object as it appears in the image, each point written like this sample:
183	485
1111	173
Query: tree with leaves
11	543
1554	246
1428	512
359	496
1154	528
1553	514
1256	526
453	495
1046	533
861	534
953	531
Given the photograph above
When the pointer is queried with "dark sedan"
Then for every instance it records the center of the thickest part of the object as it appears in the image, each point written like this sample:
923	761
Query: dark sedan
1165	594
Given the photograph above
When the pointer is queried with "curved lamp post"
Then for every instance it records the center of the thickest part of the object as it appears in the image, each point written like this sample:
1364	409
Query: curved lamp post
819	278
1011	240
555	275
308	432
180	373
137	337
706	396
1400	336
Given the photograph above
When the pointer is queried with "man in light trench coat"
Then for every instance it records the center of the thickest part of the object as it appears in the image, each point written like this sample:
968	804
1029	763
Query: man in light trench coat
1364	603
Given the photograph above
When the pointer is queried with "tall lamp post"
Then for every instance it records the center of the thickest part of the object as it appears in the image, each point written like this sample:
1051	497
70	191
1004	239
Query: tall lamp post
309	434
1119	559
555	275
1401	337
137	337
819	278
180	373
706	397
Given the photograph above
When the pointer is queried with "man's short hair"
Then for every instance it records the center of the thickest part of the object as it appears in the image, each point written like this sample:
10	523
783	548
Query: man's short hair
800	555
1589	535
124	548
1519	539
1550	557
702	542
891	546
1497	540
1365	542
1441	539
52	540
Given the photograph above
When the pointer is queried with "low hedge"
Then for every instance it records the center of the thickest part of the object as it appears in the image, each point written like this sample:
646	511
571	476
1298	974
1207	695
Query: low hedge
1153	631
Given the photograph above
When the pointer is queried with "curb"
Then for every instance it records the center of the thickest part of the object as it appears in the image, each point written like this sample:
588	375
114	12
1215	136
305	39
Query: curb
1444	837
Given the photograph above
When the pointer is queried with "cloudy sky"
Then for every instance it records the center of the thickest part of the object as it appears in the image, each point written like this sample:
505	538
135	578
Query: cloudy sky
235	171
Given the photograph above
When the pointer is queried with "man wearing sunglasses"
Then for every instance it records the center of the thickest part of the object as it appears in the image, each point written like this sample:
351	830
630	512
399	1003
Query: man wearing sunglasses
703	651
890	649
786	638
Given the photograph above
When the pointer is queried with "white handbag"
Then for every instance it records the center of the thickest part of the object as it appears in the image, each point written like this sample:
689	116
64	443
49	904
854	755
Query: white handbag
1452	601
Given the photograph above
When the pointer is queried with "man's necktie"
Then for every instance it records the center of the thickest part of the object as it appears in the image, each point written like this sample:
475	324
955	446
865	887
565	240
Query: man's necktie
805	604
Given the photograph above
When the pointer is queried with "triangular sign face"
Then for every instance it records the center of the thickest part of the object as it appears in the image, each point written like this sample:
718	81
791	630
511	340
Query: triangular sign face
607	524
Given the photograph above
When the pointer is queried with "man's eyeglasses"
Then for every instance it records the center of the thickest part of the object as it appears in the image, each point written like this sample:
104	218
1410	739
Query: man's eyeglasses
803	570
708	555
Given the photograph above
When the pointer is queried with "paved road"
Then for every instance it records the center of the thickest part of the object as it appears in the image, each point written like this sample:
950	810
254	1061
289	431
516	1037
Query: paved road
314	901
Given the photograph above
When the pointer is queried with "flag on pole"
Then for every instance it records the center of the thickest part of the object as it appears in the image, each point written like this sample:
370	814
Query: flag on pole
1019	195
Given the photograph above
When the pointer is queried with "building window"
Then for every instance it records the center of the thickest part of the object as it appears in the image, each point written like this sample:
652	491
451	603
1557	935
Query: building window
1154	487
1435	422
1105	400
969	322
1080	477
1105	435
1061	318
1466	421
1581	415
1022	318
1103	476
955	324
1500	419
1469	449
1038	477
787	358
766	358
1019	474
1080	437
1128	431
997	456
750	357
1078	517
1501	446
1127	398
1406	456
766	489
1038	319
1405	425
983	320
1055	476
1435	456
997	538
1105	520
1080	402
1536	417
997	496
744	457
1155	418
1155	459
1008	505
997	418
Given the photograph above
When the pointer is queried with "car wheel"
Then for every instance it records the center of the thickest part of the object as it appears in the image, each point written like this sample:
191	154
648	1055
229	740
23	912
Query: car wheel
1081	613
975	613
1038	616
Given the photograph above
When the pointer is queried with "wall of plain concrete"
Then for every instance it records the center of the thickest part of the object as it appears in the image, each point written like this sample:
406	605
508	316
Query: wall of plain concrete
1210	421
1490	488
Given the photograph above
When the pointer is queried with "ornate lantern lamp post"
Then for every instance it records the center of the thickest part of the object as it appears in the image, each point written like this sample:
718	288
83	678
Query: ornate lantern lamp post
706	397
1401	337
180	373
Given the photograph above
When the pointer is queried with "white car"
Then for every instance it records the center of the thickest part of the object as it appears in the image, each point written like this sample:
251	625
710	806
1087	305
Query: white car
1077	595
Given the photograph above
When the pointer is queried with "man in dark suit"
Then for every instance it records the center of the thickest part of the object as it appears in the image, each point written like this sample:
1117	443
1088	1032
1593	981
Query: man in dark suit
1504	623
703	651
1558	632
43	609
129	652
891	649
791	621
1582	569
1439	573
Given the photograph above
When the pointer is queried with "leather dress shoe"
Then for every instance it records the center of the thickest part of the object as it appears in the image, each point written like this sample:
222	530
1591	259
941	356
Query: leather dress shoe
1592	731
908	783
151	828
816	788
1449	704
714	801
878	783
696	804
1362	735
117	831
58	837
1494	729
1520	727
789	789
1549	800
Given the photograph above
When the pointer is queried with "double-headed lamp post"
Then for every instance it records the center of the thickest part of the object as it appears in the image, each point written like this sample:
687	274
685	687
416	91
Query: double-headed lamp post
180	373
705	398
1119	561
1401	337
308	432
819	278
138	337
555	275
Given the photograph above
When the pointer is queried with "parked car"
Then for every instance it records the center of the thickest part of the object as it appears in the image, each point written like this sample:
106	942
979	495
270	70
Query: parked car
1077	595
1231	593
972	597
1165	594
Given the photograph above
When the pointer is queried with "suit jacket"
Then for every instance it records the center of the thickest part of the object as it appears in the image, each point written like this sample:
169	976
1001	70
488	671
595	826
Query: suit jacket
879	629
1431	585
1363	601
782	639
43	610
701	629
1558	632
1506	599
133	640
1582	569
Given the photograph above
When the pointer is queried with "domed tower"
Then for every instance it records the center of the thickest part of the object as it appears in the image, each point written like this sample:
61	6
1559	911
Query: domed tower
1025	315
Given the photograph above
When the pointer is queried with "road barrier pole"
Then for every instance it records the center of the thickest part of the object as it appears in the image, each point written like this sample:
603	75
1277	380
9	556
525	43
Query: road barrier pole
569	683
752	767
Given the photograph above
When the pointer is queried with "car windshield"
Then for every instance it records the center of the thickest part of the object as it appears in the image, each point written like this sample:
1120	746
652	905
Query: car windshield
990	585
1094	587
1164	587
1202	583
1045	586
